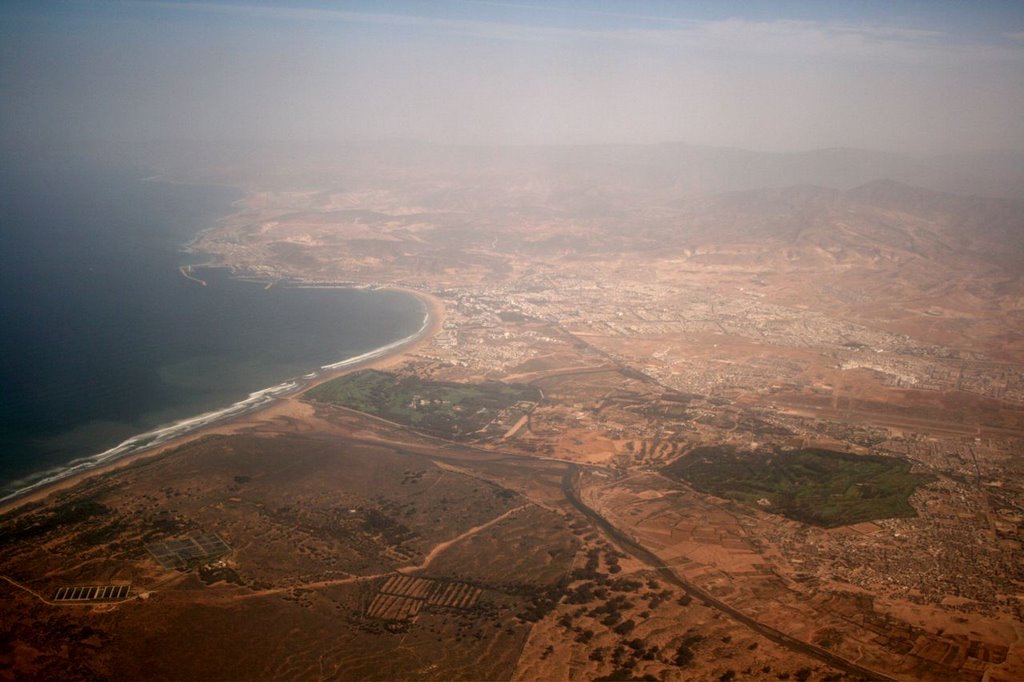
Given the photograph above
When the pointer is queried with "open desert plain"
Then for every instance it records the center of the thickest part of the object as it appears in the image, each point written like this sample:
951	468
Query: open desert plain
657	427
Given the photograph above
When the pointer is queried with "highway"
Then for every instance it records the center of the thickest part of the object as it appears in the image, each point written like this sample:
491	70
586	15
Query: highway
569	481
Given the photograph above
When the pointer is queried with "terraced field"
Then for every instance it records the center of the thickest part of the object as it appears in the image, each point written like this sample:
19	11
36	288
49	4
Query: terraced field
402	597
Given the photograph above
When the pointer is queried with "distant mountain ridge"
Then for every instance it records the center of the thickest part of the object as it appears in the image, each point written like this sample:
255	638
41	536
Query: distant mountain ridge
676	168
879	217
992	227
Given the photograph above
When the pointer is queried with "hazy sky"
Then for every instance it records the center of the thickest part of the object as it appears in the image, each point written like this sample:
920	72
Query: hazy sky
907	76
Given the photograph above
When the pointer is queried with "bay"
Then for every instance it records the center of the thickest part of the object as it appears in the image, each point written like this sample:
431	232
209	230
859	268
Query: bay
102	337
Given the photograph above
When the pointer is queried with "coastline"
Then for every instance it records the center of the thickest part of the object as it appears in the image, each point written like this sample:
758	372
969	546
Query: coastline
260	403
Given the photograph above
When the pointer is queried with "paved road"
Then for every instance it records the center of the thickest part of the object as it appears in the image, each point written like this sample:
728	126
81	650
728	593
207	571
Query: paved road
569	490
651	559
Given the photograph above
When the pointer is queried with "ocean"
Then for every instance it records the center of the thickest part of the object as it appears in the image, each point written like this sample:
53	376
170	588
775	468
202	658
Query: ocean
103	339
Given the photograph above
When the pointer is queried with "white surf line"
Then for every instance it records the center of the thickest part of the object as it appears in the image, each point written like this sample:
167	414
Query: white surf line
159	436
186	271
383	350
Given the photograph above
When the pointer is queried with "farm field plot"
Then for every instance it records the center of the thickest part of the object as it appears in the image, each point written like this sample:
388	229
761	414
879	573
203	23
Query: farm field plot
402	597
444	408
820	487
92	593
186	551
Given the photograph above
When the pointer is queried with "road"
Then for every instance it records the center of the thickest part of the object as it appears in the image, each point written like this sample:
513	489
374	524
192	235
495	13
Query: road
628	544
652	560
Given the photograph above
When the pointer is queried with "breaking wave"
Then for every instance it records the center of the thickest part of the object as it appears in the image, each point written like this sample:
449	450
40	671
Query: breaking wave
163	434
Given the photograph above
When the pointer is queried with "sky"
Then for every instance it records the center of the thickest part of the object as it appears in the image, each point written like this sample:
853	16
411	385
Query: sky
913	77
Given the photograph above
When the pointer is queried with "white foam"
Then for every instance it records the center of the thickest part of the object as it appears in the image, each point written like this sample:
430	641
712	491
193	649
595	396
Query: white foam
163	434
377	352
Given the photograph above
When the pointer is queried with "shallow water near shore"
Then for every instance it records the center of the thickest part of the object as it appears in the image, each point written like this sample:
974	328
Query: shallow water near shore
104	338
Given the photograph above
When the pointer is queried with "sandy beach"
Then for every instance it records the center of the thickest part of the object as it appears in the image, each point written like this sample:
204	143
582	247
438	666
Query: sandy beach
284	406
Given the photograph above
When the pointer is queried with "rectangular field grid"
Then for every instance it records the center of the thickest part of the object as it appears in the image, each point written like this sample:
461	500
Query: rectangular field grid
390	607
401	597
92	593
454	595
186	551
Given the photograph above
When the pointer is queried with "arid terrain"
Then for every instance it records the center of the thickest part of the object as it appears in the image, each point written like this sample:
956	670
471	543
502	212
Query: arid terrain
664	430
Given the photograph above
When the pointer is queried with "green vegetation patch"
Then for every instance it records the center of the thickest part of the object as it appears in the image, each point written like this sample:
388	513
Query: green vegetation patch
48	520
445	408
819	487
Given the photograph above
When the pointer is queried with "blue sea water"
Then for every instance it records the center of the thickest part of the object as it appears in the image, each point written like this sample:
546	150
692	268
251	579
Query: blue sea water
102	338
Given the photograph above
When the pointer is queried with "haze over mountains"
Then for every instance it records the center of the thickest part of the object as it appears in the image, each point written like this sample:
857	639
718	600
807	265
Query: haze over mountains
656	196
666	167
729	414
701	349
